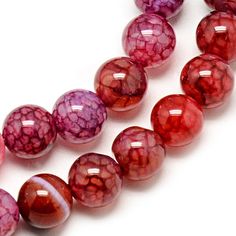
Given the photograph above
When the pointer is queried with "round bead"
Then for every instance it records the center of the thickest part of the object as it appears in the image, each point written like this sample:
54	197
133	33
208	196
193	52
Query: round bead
140	152
216	34
121	84
2	150
29	131
79	116
9	214
208	79
178	119
149	39
45	201
95	180
165	8
222	5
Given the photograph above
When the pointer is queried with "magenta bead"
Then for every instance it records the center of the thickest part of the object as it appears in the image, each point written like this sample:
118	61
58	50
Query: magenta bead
29	131
149	39
79	116
2	150
9	214
165	8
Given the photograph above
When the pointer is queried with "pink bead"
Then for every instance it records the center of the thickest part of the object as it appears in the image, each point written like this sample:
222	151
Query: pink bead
95	180
2	150
208	79
178	119
165	8
29	131
140	152
149	39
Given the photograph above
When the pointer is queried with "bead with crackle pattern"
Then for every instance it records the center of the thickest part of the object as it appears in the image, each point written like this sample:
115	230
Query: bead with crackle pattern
165	8
121	83
140	152
29	131
95	180
2	149
208	79
216	34
45	201
149	39
79	116
9	214
178	119
222	5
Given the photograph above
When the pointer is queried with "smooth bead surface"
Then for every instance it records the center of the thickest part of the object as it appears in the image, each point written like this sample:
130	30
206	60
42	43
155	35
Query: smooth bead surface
29	131
178	119
9	214
216	34
165	8
149	39
121	84
95	180
45	201
2	149
79	116
140	152
208	79
222	5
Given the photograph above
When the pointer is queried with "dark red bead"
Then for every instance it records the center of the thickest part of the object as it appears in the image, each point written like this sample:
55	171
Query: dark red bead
178	119
95	180
222	5
208	79
45	201
121	84
140	152
216	34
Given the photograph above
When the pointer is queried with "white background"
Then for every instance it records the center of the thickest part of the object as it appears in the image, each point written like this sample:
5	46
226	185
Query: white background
48	47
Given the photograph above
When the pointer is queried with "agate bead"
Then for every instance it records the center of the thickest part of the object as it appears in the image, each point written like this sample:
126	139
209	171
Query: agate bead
29	131
45	201
79	116
178	119
149	39
121	83
2	149
222	5
95	180
140	152
208	79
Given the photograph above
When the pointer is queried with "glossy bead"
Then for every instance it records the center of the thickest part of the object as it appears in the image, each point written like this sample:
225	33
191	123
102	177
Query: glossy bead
121	84
95	180
140	152
165	8
9	214
149	39
178	119
29	131
208	79
222	5
79	116
2	150
216	34
45	201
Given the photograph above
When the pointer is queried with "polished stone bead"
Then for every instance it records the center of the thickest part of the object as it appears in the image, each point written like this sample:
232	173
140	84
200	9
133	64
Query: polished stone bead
9	214
121	83
149	39
165	8
2	150
95	180
29	131
216	34
178	119
140	152
208	79
222	5
79	116
45	201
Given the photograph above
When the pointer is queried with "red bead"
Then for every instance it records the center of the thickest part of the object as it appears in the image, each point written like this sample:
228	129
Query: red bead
140	152
121	84
149	39
29	131
95	180
223	5
45	201
208	79
178	119
216	34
